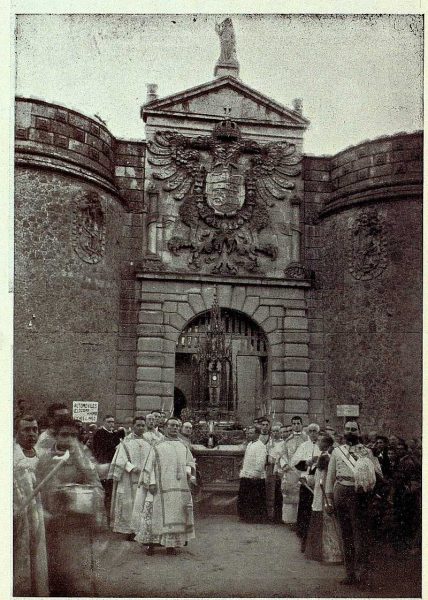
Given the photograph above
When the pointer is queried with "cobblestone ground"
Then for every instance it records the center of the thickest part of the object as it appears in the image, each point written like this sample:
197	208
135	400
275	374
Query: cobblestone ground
233	559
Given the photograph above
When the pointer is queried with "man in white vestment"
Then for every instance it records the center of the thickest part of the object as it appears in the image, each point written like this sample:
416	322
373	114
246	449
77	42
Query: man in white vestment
273	480
128	461
30	570
46	439
152	435
167	516
304	460
290	478
252	477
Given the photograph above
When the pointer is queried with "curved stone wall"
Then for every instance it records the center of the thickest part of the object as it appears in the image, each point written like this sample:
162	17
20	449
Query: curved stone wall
371	284
68	221
55	137
388	166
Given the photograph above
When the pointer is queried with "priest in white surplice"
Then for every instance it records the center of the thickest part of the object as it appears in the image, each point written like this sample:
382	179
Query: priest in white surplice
305	460
126	466
290	478
252	480
167	515
152	434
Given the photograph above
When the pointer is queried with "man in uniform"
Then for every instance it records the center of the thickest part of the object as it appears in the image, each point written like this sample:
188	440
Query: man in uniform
349	504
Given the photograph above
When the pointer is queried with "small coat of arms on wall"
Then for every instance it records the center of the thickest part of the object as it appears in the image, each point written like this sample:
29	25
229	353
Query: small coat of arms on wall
367	246
225	185
89	228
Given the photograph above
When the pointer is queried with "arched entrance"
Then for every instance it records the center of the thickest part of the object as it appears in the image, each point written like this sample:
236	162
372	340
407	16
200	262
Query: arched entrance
222	364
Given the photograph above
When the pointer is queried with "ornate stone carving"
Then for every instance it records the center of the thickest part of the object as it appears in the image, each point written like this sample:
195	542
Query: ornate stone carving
367	246
89	228
226	185
298	272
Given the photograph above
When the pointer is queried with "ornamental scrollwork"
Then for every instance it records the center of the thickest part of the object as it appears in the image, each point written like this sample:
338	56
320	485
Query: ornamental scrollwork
225	185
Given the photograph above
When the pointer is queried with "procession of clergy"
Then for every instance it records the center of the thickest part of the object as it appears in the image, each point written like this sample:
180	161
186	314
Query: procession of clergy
68	487
68	480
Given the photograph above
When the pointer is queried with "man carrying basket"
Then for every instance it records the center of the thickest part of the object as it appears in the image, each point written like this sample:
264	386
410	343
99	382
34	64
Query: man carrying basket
73	499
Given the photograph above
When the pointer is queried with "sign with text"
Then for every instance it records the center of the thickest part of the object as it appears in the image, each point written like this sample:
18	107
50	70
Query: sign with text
87	412
348	410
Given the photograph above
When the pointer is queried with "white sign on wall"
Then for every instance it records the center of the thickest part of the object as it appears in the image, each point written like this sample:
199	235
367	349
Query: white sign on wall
87	412
348	410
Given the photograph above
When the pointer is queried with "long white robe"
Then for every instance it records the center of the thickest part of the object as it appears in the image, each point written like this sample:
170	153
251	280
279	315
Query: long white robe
290	479
29	548
167	516
153	437
131	453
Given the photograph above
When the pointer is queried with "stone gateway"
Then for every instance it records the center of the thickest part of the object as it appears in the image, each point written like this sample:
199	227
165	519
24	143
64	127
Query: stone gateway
213	266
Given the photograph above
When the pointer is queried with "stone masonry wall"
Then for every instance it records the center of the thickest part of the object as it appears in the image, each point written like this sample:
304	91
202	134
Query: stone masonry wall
107	331
129	178
63	134
66	310
66	304
371	284
317	188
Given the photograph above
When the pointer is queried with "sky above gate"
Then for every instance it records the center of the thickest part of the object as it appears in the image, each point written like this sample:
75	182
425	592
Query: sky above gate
360	76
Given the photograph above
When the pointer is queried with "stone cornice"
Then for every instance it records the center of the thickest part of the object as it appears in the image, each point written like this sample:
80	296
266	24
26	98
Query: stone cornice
373	193
215	119
39	160
220	279
161	105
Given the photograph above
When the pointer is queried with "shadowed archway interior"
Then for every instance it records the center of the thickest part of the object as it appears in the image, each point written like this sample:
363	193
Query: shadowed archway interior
238	387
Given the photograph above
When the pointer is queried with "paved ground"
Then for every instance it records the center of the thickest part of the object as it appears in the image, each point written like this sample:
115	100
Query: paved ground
232	559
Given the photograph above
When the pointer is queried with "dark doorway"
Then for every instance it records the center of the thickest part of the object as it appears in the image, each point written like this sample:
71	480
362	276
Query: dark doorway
179	402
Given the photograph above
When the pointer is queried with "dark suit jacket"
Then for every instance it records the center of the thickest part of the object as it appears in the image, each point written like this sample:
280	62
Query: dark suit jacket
104	444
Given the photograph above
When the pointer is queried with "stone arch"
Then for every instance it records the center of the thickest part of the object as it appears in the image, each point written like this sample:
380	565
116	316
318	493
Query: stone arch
248	377
160	326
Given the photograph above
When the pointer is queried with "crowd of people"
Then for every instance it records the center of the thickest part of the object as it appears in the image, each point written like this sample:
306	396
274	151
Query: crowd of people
341	492
72	482
337	491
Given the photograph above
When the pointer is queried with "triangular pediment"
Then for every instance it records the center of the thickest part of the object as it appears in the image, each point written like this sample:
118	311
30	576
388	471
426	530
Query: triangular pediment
223	97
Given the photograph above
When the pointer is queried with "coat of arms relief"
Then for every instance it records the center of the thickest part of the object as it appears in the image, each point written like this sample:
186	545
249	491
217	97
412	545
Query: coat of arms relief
225	185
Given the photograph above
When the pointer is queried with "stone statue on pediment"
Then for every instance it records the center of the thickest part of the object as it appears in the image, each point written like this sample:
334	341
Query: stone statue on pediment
227	41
